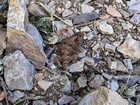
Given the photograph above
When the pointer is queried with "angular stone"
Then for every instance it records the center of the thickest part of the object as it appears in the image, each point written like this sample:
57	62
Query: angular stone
39	102
68	4
15	96
135	19
67	12
96	81
126	26
44	84
2	40
77	67
112	11
136	70
18	72
22	35
65	100
110	47
85	8
85	17
105	28
130	47
103	96
128	64
114	85
82	82
134	5
68	87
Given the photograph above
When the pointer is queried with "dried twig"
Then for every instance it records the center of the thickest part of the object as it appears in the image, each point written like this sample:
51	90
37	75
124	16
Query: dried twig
44	6
28	98
83	24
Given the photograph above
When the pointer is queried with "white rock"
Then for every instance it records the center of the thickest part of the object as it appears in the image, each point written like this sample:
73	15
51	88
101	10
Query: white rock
103	96
105	28
130	47
126	26
44	84
94	48
135	19
67	12
85	8
128	63
114	85
85	29
68	4
77	67
110	47
134	5
113	65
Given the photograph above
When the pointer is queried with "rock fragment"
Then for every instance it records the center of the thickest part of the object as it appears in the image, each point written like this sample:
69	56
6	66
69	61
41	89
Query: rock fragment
130	47
85	17
136	70
126	26
96	81
105	28
135	19
114	85
65	100
18	72
2	40
112	11
103	96
39	102
67	12
85	8
15	96
128	63
134	5
22	35
110	47
82	82
44	84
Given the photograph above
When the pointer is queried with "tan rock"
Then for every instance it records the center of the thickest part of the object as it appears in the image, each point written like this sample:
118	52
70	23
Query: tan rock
112	11
130	47
103	96
2	40
22	35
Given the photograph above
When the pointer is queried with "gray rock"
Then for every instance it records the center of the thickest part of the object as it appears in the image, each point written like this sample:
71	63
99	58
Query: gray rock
39	102
85	8
15	96
22	35
107	76
18	71
135	19
85	17
138	100
67	12
128	63
96	81
134	5
110	47
136	70
77	67
82	81
65	100
68	87
103	96
126	26
44	84
124	13
114	85
2	40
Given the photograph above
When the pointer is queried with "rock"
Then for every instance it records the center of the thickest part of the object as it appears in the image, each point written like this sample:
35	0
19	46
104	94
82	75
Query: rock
130	47
67	12
77	67
126	26
85	17
100	1
124	13
68	4
35	9
138	100
135	19
114	85
65	100
39	102
2	40
18	72
68	87
15	96
39	76
103	96
105	28
112	11
110	47
22	35
82	81
134	5
89	61
136	70
104	17
44	84
83	53
85	29
96	81
117	65
107	76
85	8
128	64
94	48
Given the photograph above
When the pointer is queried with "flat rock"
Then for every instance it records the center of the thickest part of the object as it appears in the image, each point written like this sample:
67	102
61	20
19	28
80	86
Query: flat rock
18	71
105	28
39	102
136	70
112	11
103	96
134	5
130	47
67	12
82	81
77	67
44	84
96	81
65	100
15	96
2	40
114	85
22	35
85	17
85	8
135	19
126	26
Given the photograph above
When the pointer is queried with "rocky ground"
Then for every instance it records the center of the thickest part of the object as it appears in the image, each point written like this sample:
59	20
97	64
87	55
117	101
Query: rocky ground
69	52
